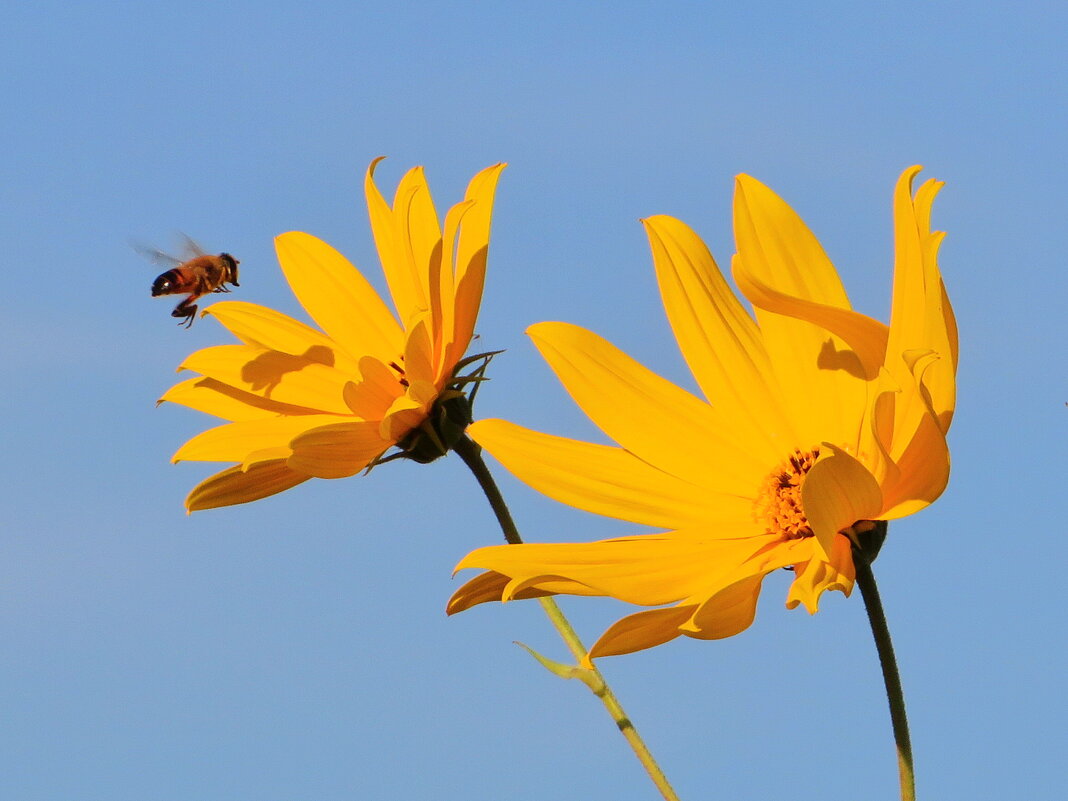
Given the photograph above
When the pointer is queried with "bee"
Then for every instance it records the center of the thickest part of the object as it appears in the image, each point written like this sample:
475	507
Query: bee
199	274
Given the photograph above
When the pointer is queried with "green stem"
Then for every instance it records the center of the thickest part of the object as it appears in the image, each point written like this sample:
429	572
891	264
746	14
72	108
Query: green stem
891	677
471	453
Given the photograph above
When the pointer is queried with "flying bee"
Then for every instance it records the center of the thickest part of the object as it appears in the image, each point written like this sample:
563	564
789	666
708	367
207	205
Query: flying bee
196	276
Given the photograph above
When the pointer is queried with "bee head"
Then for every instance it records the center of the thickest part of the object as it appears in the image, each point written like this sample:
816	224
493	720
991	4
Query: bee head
162	285
231	268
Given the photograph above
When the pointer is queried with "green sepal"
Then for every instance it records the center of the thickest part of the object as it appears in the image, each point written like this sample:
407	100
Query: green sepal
585	675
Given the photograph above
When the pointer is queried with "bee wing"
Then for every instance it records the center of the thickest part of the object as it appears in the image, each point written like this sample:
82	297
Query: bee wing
158	256
191	247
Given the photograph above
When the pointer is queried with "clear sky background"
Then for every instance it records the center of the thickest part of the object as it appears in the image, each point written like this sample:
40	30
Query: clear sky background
297	648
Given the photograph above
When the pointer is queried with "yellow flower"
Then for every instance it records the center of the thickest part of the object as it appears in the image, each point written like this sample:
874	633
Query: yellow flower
304	403
818	421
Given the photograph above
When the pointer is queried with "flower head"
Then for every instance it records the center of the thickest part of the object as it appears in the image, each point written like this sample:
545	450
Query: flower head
818	421
303	403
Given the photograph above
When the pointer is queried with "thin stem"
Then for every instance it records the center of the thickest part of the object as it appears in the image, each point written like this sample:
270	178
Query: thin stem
471	453
891	677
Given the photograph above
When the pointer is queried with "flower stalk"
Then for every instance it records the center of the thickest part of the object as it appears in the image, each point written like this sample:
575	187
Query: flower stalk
891	676
471	454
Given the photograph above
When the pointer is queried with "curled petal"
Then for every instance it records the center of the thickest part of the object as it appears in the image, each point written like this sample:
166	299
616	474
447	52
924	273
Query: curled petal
837	492
816	576
921	317
472	249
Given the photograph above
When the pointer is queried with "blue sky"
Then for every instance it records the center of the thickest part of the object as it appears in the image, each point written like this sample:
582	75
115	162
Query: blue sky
297	647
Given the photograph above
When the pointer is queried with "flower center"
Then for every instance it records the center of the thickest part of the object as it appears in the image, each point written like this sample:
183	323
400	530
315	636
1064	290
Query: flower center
778	502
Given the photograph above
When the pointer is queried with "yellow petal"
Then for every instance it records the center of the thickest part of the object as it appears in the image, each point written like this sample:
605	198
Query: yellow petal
443	300
640	631
922	472
418	239
776	249
649	570
817	576
272	454
408	411
484	587
234	486
837	492
921	316
294	380
605	480
419	362
471	253
338	450
338	297
646	414
222	400
272	330
865	337
234	441
779	249
403	286
717	336
371	397
730	611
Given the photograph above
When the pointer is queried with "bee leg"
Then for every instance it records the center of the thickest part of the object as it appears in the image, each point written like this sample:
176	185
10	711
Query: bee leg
186	310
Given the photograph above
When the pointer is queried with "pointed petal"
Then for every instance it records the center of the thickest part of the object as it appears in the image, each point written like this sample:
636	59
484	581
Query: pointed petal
646	414
235	486
837	492
605	480
818	370
484	587
338	297
779	249
222	400
403	287
640	631
471	253
294	380
443	301
272	330
234	441
649	570
338	450
418	239
718	338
